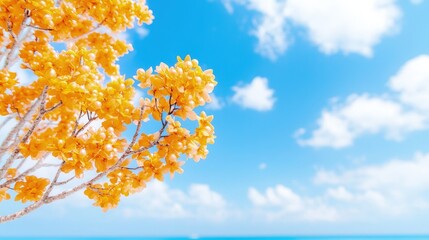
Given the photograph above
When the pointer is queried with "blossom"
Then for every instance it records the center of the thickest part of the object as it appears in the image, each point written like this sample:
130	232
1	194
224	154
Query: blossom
31	189
79	110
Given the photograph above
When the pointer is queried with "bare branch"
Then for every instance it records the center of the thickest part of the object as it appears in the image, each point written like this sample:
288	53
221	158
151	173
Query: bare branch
133	168
154	143
64	182
51	186
77	122
136	133
33	206
21	213
53	107
21	163
86	125
39	28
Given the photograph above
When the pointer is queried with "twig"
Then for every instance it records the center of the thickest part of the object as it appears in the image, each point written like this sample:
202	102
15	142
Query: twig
86	125
102	174
18	127
16	151
64	182
16	41
39	28
23	174
77	122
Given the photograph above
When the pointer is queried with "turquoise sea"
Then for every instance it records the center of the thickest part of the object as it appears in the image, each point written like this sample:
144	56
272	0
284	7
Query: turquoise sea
232	238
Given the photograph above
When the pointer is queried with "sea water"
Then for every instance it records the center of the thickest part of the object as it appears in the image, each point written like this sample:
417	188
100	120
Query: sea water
231	238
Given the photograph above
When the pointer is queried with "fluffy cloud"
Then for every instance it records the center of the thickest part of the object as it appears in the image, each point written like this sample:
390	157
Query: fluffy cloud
160	201
270	27
393	189
346	26
395	175
412	82
396	187
362	114
393	116
256	95
280	202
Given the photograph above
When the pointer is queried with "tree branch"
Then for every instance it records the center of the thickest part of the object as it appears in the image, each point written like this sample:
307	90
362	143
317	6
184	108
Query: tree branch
16	39
17	128
103	174
15	153
21	213
64	182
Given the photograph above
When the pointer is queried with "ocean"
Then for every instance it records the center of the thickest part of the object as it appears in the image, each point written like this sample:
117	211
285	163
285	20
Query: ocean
230	238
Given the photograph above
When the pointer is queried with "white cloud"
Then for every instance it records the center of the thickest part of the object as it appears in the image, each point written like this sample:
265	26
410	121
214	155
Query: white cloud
393	114
160	201
346	26
262	166
255	95
340	193
281	202
215	104
395	189
269	25
411	175
332	132
412	82
141	31
277	196
270	28
362	114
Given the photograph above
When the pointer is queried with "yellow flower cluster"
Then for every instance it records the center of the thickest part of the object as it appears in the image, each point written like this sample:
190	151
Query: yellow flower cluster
185	85
7	82
82	111
176	92
31	189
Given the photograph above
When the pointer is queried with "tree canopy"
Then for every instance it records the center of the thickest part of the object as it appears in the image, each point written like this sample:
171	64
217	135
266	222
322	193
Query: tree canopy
77	127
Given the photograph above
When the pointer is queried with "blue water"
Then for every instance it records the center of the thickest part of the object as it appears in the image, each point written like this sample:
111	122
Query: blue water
232	238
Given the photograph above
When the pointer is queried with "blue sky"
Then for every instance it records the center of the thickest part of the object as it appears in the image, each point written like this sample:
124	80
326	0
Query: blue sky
321	117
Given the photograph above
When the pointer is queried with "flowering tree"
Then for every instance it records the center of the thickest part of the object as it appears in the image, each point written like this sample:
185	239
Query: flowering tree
76	127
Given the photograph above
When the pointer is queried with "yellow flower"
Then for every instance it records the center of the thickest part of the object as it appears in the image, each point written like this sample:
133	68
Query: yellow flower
31	189
3	194
80	108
